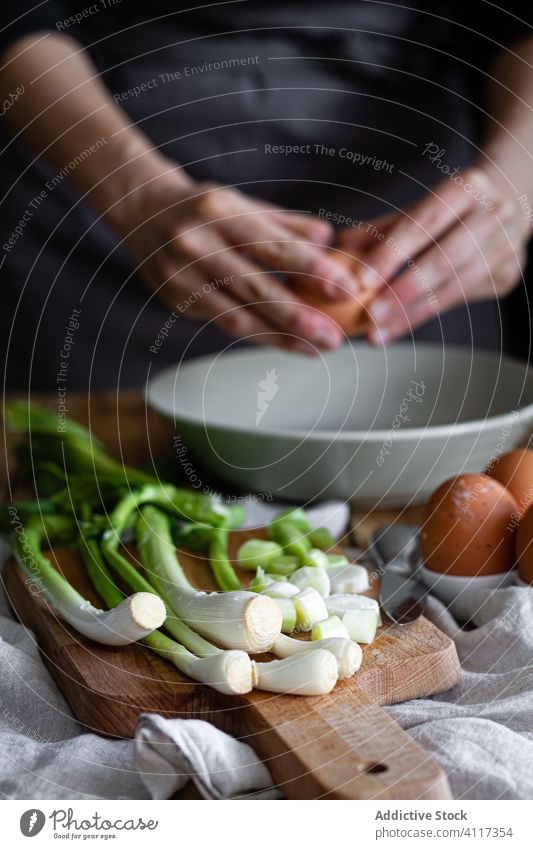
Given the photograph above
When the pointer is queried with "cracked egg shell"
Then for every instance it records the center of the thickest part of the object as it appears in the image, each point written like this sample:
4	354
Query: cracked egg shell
469	527
350	314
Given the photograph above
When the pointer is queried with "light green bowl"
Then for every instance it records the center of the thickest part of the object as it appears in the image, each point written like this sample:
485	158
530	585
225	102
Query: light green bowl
380	427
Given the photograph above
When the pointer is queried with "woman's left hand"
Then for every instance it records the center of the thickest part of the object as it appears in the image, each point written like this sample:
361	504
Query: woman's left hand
465	241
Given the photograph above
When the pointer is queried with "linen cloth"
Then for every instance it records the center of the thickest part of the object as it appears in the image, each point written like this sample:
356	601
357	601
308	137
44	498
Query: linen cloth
481	731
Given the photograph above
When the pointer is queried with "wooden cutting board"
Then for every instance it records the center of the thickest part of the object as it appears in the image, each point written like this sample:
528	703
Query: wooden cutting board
341	746
337	746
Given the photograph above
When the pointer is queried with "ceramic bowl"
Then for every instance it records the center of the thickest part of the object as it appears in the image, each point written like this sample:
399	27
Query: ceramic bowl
380	427
456	591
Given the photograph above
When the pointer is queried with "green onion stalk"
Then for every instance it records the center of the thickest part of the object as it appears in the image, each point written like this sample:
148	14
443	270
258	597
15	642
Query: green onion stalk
234	619
127	621
228	672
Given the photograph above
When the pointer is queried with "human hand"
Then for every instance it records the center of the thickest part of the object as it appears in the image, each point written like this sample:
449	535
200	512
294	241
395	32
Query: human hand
186	237
461	243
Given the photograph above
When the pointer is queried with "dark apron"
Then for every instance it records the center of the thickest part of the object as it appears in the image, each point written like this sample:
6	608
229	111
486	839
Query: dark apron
217	101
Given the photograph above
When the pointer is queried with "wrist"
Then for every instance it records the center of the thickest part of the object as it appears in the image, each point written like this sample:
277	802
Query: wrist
510	181
132	170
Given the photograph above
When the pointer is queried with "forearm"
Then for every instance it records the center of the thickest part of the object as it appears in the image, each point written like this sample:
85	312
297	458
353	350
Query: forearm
66	110
507	155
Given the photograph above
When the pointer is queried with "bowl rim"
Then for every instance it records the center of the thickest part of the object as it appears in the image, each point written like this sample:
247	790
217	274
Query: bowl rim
405	434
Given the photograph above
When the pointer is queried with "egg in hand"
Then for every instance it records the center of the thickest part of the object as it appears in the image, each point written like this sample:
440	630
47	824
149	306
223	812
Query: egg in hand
349	314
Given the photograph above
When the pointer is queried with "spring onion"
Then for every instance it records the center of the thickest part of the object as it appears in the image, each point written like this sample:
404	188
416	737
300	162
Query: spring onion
130	620
361	624
280	589
311	576
296	516
348	579
316	557
229	672
331	627
290	538
336	560
239	619
310	608
288	614
285	564
257	552
312	673
261	581
347	653
321	538
338	604
74	446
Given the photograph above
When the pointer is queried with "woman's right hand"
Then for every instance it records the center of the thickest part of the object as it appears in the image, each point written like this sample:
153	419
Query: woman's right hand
210	253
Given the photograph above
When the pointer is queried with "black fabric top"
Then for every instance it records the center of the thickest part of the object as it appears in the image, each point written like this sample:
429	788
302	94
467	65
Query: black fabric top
471	28
217	89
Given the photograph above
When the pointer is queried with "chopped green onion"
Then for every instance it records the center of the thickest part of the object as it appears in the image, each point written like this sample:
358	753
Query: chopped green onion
361	624
310	608
337	560
321	538
331	627
315	557
257	552
296	516
348	579
311	576
280	589
291	538
261	581
339	603
285	564
288	614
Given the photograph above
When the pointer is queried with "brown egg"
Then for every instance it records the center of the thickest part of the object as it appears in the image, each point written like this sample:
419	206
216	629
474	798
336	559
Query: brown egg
349	314
515	471
524	546
469	527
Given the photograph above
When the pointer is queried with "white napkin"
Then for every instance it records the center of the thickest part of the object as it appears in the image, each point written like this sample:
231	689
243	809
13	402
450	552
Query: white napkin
169	752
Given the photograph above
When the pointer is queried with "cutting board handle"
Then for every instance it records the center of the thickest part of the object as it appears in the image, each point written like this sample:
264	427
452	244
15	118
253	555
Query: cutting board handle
364	754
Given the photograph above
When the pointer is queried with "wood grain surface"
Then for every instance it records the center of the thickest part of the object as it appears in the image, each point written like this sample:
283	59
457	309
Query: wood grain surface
337	746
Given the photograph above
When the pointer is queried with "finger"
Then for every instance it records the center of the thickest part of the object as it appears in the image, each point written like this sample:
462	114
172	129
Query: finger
190	294
241	223
423	225
359	238
315	229
479	236
468	286
279	249
271	300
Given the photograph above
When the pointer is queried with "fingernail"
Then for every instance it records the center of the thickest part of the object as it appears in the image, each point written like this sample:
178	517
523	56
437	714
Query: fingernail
378	336
369	278
335	274
347	286
380	310
325	338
